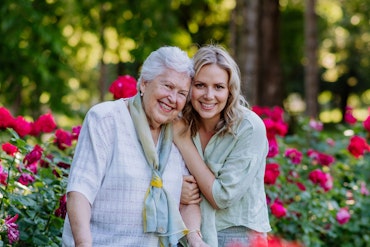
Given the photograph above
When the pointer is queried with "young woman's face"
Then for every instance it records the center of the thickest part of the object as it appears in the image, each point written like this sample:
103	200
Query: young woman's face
210	92
164	97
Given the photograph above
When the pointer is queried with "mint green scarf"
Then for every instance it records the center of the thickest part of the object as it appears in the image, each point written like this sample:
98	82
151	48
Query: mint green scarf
161	213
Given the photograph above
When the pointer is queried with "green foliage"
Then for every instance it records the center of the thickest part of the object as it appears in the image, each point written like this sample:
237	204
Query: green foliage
32	57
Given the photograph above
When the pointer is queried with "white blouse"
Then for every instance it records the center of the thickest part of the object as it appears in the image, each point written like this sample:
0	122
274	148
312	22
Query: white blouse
110	169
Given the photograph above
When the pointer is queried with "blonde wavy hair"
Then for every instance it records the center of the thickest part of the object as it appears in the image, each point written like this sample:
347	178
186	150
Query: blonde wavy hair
235	105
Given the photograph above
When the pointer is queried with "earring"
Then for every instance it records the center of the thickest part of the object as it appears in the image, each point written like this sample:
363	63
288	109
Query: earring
141	93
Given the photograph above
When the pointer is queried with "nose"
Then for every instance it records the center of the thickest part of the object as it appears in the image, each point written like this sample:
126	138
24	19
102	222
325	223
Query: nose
172	96
209	93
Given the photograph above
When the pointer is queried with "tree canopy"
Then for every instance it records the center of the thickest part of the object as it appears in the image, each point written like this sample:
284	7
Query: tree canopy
61	56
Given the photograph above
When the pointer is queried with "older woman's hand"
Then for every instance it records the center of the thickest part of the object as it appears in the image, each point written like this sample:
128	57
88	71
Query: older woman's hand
195	240
189	191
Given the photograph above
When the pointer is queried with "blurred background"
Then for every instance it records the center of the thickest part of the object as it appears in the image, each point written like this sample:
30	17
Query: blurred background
311	57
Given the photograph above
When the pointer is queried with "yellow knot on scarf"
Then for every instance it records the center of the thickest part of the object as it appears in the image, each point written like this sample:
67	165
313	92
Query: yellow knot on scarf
156	182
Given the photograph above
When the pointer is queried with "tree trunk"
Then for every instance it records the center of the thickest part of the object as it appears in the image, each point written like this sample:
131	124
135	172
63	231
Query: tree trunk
254	40
311	79
245	44
270	79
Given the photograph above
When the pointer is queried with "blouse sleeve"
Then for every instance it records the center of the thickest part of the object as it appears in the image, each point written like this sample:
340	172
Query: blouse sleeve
92	156
244	163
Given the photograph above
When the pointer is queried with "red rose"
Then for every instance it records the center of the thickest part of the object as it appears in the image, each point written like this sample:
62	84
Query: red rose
366	124
325	159
76	132
358	146
63	139
26	179
271	173
62	210
21	126
273	148
34	155
6	118
123	87
321	178
45	123
9	148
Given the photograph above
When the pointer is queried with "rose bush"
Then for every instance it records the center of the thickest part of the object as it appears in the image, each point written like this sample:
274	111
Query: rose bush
316	179
34	162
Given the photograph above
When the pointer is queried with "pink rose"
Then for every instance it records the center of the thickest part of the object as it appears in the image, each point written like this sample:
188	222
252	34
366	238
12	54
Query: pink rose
3	176
13	232
294	155
316	125
343	216
278	209
364	191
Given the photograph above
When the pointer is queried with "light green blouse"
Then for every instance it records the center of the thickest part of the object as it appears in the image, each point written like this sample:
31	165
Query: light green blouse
238	162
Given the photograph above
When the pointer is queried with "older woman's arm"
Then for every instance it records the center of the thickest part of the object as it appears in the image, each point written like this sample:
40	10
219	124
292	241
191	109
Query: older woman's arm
192	218
79	214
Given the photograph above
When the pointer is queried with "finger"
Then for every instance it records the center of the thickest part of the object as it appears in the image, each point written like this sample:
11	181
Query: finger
196	201
189	179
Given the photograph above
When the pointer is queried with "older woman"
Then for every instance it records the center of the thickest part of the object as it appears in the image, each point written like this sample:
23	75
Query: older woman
225	150
125	180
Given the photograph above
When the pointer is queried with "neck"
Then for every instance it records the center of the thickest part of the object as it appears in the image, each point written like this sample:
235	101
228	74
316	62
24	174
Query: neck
155	134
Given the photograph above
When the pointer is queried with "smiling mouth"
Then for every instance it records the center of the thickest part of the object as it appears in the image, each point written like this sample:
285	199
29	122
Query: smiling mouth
207	106
165	107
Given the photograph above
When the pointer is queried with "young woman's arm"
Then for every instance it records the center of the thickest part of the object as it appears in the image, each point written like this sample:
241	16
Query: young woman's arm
194	161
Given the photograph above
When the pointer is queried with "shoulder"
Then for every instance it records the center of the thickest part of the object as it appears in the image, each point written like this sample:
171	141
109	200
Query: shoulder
107	109
250	121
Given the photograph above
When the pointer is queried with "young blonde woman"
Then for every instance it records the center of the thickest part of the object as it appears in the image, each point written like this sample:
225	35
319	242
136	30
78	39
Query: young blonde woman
224	146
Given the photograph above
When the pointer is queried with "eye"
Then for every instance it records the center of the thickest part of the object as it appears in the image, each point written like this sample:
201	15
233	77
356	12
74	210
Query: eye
199	85
185	94
220	86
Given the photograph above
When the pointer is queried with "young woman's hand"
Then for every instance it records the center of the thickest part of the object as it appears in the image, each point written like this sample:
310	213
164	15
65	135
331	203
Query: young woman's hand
190	191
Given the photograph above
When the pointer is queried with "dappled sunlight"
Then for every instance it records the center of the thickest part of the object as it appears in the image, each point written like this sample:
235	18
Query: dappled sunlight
294	104
330	10
330	116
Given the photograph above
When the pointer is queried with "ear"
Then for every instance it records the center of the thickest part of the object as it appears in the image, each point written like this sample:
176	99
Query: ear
143	86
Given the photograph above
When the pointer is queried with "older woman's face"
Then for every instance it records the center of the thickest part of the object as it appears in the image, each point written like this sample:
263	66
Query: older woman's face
164	97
